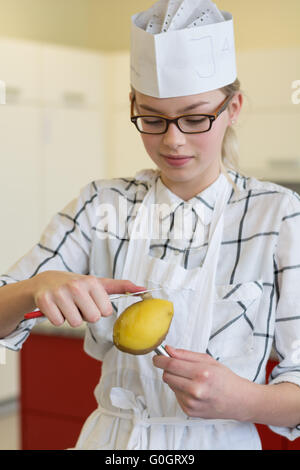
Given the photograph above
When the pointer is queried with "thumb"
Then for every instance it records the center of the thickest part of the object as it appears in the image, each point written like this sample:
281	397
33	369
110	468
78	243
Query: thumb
120	286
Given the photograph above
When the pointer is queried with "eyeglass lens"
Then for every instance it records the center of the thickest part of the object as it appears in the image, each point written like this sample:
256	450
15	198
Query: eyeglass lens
157	125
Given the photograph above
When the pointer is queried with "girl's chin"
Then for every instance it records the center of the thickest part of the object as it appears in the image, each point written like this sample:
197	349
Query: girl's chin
178	176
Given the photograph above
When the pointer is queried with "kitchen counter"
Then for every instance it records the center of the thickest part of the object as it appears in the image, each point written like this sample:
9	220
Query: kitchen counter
285	175
44	327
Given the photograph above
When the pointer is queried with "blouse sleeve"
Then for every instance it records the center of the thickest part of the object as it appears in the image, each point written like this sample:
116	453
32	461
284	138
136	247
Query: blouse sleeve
287	285
64	246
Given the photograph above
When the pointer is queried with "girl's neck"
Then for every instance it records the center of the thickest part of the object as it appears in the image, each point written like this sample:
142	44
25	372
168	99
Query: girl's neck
186	190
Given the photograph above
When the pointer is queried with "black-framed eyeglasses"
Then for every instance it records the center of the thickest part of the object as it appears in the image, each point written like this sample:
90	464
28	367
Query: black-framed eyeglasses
186	123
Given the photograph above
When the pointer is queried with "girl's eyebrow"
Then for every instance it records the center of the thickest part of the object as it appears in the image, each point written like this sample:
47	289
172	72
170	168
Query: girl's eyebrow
180	111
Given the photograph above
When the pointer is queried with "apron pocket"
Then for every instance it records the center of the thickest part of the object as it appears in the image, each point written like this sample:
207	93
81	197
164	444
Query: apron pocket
235	310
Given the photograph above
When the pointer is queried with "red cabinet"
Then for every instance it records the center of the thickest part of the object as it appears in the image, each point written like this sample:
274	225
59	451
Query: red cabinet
57	383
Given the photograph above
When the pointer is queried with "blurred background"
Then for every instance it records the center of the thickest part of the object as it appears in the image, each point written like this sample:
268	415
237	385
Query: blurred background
66	122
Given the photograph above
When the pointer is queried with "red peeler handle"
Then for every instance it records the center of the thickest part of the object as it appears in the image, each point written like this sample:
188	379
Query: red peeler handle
36	314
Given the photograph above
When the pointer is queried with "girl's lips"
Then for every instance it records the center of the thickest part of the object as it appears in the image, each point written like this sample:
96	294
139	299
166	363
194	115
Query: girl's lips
180	160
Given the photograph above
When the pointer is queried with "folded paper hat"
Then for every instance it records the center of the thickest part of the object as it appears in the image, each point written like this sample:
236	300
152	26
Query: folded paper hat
181	48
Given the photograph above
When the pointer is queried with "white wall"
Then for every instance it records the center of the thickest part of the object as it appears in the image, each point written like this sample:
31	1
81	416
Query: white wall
269	128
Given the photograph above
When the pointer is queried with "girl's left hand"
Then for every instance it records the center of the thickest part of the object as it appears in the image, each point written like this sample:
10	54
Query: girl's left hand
205	388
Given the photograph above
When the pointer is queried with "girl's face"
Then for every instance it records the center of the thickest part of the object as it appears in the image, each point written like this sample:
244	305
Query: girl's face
188	162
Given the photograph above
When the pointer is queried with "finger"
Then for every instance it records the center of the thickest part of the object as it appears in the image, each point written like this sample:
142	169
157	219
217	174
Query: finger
54	315
101	302
50	310
177	367
174	366
192	407
90	310
176	383
120	286
69	310
100	298
184	387
190	356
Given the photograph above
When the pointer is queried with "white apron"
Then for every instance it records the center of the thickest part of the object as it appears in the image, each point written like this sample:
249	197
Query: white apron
192	293
198	283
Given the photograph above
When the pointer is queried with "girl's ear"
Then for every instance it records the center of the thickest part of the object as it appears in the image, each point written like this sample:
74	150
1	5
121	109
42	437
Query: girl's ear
131	93
235	106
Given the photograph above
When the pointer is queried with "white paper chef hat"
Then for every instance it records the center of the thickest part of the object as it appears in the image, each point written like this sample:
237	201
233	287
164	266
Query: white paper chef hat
181	48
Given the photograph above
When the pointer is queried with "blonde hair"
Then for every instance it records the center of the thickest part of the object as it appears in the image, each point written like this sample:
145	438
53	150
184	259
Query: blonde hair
230	147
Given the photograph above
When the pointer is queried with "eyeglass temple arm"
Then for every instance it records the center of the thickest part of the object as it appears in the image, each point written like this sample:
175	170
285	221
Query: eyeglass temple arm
132	106
223	106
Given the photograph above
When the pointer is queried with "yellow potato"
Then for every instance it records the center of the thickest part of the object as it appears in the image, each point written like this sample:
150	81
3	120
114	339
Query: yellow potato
143	326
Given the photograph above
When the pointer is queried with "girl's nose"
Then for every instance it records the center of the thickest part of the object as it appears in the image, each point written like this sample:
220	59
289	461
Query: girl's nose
174	138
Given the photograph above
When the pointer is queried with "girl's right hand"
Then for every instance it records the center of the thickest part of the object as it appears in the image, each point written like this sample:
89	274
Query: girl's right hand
75	297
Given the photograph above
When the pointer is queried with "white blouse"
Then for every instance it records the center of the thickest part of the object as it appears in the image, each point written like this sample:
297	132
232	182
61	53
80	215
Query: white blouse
257	301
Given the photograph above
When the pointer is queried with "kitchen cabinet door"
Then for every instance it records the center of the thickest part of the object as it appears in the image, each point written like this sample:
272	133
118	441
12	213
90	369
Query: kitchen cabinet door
128	152
268	127
57	383
275	147
73	77
74	155
119	66
20	181
20	70
279	67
